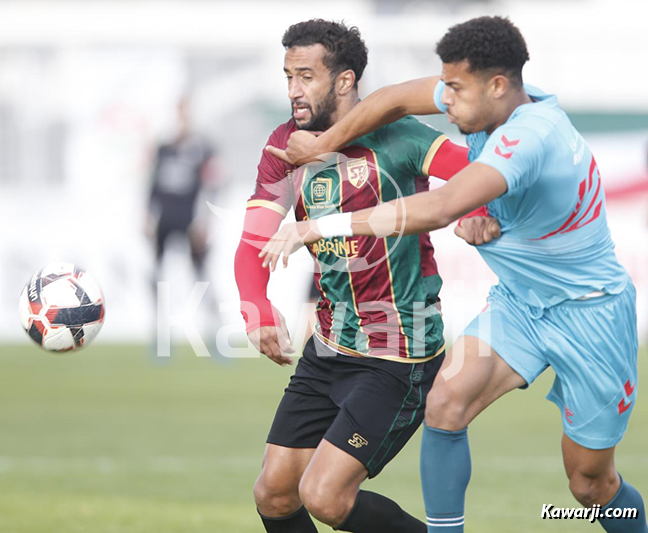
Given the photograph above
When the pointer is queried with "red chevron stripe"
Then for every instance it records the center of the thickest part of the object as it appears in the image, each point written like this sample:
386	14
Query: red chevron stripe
499	152
508	143
629	389
623	407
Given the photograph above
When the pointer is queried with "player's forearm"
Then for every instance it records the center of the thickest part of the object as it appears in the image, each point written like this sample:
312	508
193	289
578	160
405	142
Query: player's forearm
415	214
252	281
474	186
251	278
382	107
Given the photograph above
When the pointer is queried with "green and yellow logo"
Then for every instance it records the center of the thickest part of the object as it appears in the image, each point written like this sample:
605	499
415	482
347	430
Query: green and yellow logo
337	247
321	190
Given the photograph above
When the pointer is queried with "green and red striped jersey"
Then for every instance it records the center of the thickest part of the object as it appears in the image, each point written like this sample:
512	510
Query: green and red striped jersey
378	296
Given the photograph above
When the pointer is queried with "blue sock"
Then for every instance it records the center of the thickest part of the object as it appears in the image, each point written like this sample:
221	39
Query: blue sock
626	497
445	473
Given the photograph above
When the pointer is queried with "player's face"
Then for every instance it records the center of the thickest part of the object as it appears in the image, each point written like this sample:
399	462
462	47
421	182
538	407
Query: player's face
468	98
310	87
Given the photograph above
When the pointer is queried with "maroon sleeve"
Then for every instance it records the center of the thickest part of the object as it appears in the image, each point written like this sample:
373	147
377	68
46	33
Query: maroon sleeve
272	187
450	159
266	208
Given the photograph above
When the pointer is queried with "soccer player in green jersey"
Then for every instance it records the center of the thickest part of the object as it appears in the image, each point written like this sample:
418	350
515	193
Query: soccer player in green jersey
358	393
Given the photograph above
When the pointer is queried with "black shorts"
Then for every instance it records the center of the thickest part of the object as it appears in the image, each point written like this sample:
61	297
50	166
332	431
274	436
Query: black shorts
166	228
367	407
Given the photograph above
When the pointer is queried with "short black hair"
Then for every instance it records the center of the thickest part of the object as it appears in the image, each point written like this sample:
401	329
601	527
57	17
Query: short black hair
489	44
346	49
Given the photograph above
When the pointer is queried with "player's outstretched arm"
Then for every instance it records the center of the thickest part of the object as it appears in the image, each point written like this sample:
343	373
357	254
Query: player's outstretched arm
382	107
474	186
477	227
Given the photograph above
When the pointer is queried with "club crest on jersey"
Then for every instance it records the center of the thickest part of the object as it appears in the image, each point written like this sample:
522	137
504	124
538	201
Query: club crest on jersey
358	171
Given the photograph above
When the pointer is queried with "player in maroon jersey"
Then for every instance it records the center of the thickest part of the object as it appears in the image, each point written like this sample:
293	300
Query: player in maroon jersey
349	409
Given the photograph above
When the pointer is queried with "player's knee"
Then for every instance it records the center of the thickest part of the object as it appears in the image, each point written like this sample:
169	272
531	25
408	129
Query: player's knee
274	496
324	503
444	408
589	490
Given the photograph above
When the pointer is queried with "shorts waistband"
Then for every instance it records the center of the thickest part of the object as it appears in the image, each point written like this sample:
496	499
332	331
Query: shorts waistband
343	350
589	302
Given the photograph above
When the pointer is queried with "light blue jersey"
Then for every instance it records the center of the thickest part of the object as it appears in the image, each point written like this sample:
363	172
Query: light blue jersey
555	249
555	243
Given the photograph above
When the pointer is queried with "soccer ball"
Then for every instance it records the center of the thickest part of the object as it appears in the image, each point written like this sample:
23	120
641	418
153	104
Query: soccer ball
61	308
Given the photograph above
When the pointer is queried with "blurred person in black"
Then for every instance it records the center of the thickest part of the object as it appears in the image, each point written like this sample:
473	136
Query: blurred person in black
184	178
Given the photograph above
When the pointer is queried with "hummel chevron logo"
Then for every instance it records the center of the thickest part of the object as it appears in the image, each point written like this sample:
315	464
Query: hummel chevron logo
623	406
507	144
569	415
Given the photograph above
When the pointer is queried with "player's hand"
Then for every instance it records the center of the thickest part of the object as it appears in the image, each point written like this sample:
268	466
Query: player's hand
478	230
273	342
290	238
302	148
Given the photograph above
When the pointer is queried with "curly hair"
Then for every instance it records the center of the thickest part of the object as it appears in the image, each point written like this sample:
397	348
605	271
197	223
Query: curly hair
346	49
489	44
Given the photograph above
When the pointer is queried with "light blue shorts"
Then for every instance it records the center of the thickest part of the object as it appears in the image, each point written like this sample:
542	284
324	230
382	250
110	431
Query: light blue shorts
592	347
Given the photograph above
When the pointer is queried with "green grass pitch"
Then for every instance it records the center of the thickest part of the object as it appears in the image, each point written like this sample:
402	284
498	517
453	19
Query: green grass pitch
113	440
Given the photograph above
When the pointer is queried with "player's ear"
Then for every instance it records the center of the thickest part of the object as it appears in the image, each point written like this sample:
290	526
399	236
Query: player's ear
499	85
345	82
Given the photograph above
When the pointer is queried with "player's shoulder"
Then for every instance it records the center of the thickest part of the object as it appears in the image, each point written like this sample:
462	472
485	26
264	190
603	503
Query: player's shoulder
542	117
406	129
409	122
281	133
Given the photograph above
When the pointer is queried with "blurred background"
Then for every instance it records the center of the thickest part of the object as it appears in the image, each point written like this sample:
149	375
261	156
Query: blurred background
114	439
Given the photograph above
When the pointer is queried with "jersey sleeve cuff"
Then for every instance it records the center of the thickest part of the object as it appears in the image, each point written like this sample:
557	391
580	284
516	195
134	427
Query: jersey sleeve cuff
438	93
432	151
269	205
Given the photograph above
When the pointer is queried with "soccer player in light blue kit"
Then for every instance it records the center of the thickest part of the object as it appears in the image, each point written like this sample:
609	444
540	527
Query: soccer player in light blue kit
562	300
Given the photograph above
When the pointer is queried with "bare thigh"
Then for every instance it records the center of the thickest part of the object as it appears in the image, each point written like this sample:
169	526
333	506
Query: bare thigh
472	377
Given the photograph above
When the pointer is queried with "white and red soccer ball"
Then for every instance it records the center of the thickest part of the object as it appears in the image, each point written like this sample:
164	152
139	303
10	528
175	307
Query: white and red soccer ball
62	307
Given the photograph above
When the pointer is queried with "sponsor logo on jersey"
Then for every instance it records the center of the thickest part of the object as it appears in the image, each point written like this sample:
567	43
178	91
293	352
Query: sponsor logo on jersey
321	190
358	171
337	247
577	145
358	441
